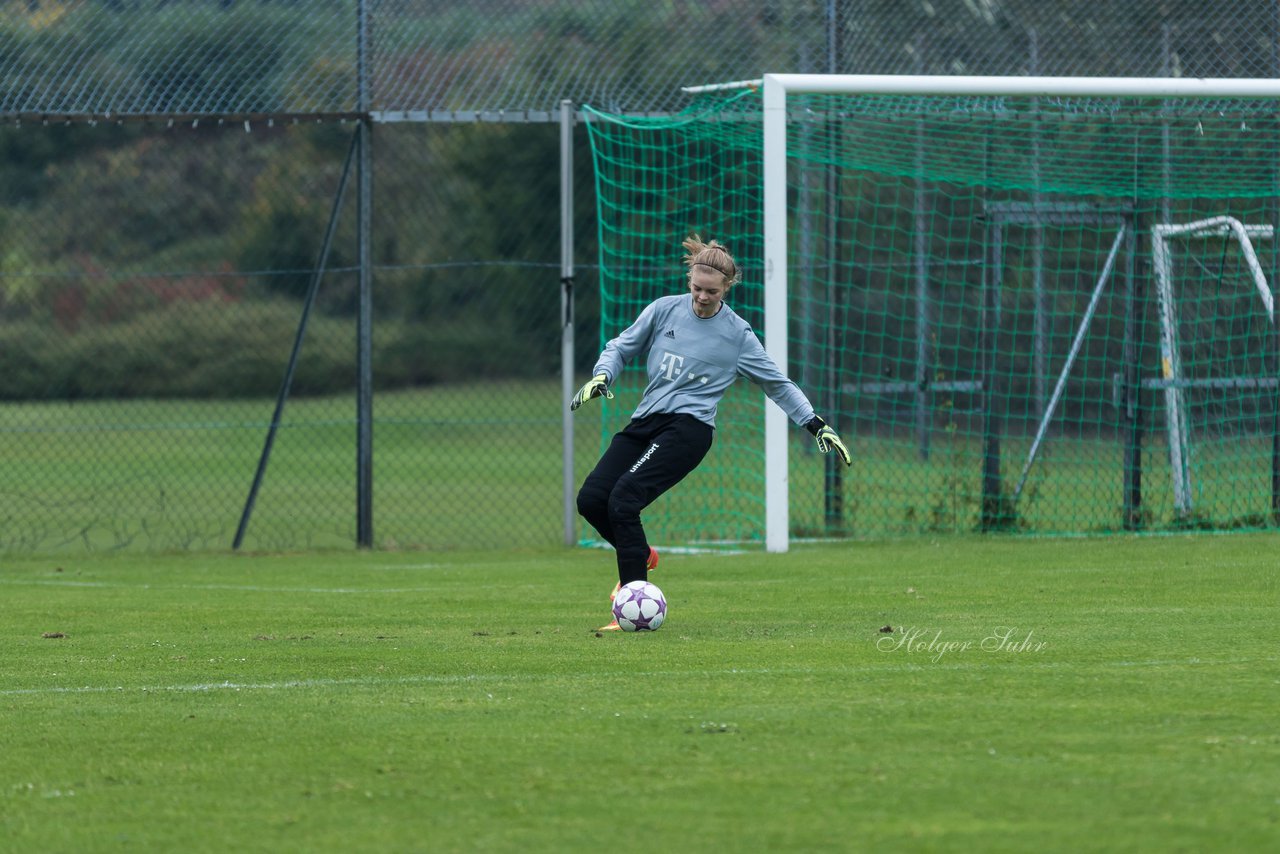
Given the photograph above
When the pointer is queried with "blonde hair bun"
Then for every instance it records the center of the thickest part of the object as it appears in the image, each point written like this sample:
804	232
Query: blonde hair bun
714	255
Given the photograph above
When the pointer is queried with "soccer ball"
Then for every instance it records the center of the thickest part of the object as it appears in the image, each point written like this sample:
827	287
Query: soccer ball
639	607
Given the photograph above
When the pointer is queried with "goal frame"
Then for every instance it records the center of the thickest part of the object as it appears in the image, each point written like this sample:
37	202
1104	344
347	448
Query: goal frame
1172	383
775	89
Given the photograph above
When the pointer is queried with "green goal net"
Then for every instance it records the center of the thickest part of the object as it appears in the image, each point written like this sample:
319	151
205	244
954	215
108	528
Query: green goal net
1029	314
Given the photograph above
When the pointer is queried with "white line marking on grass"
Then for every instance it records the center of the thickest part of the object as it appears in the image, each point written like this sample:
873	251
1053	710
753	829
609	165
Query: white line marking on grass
414	566
236	686
464	678
676	550
370	681
247	588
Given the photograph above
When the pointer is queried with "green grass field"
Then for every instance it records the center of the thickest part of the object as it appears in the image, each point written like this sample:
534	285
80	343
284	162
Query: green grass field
1049	695
452	467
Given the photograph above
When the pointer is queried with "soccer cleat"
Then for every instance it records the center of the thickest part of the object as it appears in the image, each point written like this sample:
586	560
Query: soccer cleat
612	627
650	565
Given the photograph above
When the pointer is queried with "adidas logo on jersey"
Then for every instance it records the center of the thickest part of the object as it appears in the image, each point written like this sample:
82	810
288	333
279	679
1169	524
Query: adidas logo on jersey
670	333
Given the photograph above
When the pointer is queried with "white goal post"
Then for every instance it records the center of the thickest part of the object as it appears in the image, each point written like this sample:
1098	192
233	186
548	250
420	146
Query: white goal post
1171	374
776	88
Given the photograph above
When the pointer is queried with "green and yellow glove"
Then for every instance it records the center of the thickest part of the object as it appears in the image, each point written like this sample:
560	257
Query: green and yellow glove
597	386
828	439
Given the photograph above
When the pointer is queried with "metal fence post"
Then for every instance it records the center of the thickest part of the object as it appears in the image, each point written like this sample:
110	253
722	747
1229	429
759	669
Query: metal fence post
1135	271
364	317
566	313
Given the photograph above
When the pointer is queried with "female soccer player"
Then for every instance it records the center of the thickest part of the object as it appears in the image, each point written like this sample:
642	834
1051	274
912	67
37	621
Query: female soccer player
695	346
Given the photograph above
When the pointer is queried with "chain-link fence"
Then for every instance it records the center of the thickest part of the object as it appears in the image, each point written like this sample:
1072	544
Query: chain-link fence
171	168
139	396
517	59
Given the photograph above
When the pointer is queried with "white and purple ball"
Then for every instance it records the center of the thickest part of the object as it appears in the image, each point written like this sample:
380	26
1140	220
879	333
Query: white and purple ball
639	606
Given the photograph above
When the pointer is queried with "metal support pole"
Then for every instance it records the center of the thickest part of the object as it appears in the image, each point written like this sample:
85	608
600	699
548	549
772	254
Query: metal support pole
924	313
833	469
1132	367
991	488
1274	356
364	316
1047	415
285	384
1040	338
566	317
364	345
992	499
1275	277
1166	169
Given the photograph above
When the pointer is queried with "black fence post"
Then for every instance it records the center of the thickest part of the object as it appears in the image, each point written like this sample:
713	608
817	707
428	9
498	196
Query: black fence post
364	319
1274	356
994	515
1136	268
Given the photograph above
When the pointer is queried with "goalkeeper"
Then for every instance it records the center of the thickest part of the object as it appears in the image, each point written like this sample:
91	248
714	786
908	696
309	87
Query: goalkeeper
695	346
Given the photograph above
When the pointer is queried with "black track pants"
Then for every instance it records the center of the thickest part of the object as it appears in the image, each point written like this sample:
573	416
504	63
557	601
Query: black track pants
644	460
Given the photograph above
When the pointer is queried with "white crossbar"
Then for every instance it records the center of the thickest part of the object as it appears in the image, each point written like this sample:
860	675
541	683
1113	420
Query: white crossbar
1064	87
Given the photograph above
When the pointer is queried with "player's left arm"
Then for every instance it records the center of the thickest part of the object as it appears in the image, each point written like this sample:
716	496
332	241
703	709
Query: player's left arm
755	363
828	439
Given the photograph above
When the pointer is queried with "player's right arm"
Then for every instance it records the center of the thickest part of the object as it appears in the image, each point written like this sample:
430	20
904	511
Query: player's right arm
615	356
632	341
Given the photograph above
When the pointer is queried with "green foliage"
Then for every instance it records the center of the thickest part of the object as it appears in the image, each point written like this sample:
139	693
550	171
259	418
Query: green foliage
111	238
199	56
1000	514
29	158
213	343
46	39
285	210
176	351
136	198
211	57
475	345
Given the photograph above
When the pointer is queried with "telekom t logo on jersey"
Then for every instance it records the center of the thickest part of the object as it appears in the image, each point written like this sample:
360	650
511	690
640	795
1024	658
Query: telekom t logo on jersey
672	365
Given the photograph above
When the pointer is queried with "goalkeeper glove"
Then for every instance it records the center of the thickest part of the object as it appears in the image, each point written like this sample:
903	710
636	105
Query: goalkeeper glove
828	439
597	386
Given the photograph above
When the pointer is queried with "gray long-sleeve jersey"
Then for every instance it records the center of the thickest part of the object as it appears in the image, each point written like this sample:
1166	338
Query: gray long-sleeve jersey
693	360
